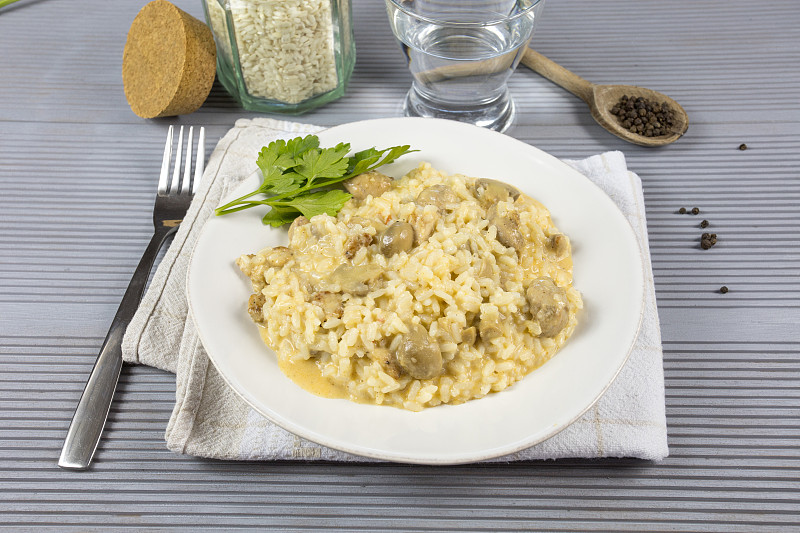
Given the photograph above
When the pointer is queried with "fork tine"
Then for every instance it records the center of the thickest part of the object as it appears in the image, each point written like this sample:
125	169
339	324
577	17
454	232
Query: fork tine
187	167
201	158
162	180
176	173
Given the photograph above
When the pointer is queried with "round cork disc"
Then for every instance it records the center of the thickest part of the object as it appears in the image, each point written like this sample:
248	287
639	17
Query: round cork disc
169	62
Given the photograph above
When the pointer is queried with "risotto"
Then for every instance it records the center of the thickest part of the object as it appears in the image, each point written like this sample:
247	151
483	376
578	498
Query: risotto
425	290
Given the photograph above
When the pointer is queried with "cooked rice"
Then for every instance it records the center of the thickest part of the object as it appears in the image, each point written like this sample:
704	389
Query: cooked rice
435	284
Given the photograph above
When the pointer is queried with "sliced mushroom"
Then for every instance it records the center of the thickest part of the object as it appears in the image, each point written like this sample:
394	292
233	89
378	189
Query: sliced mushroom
370	183
558	244
485	270
441	196
296	223
355	279
355	243
399	237
469	336
506	220
419	354
330	302
489	327
490	192
255	307
367	223
548	305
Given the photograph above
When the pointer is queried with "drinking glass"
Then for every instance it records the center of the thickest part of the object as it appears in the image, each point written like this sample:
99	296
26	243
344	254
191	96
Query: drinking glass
461	54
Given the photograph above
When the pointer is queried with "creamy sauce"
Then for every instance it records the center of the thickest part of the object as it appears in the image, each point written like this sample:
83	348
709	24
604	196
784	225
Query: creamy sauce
306	374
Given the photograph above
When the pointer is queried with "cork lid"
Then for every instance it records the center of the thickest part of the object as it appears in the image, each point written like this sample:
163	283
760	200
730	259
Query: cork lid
169	62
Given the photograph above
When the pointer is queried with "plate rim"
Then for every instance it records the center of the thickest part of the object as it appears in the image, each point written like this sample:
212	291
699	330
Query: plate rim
457	458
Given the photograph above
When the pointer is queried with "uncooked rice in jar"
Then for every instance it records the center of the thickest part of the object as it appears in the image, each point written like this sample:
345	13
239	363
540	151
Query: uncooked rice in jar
286	47
479	296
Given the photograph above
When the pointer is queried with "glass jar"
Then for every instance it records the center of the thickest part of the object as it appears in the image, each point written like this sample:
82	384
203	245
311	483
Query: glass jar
283	56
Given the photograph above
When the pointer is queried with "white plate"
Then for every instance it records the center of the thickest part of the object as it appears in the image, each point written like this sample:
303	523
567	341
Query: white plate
608	271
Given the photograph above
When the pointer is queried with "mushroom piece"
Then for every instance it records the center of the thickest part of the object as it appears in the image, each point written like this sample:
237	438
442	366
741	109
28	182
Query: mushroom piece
558	244
441	196
424	224
370	183
355	279
418	354
490	192
255	307
278	256
469	336
399	237
489	327
548	305
387	361
296	223
330	302
506	220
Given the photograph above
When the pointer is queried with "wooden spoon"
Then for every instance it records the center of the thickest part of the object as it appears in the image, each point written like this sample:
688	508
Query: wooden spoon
601	98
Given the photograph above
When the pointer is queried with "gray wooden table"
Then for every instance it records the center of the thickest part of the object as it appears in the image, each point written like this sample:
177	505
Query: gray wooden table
77	174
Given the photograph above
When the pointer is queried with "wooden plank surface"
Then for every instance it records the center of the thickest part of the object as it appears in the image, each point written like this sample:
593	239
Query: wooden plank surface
77	171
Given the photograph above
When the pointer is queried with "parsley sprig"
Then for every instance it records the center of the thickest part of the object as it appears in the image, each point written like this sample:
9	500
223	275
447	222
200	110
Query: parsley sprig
299	178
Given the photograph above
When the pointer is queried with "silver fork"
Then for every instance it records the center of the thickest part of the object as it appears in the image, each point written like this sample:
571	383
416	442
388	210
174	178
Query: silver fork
172	201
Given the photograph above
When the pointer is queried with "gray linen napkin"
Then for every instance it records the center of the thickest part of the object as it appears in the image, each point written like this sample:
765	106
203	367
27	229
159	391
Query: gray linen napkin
210	420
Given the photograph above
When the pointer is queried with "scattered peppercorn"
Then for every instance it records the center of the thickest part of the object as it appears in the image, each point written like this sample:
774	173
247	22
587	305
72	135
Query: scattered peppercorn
644	117
707	240
723	289
704	224
742	146
695	210
682	210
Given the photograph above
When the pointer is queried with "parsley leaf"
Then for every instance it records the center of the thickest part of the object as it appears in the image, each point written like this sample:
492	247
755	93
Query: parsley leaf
317	203
278	216
299	176
325	163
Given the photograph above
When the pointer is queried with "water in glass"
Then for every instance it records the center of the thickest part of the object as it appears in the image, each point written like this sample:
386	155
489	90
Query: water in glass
460	69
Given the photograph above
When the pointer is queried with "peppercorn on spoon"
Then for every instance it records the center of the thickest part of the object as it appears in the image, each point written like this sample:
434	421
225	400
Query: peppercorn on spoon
602	98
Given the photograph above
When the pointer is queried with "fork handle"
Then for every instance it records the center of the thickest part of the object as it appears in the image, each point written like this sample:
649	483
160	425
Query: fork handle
90	415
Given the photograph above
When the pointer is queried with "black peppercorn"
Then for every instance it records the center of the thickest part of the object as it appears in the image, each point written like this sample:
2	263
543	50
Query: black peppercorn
635	112
707	240
723	289
704	224
742	146
695	210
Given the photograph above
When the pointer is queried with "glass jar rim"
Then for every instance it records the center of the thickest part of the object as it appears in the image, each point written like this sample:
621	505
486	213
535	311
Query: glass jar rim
432	20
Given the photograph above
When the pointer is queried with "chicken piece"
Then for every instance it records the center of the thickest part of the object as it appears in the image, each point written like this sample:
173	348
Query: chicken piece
355	243
506	219
255	307
558	245
424	224
548	306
